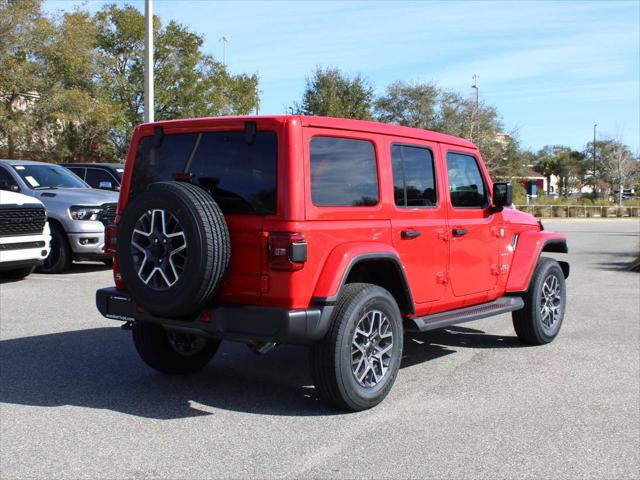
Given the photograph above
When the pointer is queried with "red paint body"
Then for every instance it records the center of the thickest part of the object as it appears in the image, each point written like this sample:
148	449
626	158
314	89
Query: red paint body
443	272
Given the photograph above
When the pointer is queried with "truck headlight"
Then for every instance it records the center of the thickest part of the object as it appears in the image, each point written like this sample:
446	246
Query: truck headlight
85	213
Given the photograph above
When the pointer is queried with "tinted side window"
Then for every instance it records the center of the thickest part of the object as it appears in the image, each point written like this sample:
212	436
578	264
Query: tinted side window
465	181
343	172
95	176
78	171
6	177
414	182
240	175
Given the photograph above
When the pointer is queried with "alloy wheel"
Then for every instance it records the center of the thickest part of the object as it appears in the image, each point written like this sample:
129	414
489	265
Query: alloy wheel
371	348
159	249
550	302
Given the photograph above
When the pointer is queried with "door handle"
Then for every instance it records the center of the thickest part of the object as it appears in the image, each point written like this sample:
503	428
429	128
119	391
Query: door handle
410	233
459	232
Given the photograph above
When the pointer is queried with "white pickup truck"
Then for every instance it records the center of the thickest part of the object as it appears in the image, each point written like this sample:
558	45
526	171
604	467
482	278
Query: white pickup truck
24	234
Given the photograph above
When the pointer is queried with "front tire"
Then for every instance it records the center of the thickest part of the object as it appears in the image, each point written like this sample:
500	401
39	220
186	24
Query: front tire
539	322
172	352
356	364
60	257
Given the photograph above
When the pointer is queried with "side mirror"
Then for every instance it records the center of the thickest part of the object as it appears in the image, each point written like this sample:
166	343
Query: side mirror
105	185
4	185
502	195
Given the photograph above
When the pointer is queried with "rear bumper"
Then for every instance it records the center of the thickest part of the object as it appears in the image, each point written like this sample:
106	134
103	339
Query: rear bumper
228	322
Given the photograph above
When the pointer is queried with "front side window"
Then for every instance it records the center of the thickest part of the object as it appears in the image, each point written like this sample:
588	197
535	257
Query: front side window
239	174
343	172
465	181
42	177
414	182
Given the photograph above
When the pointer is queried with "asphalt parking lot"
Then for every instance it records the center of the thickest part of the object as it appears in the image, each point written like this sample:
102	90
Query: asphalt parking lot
470	401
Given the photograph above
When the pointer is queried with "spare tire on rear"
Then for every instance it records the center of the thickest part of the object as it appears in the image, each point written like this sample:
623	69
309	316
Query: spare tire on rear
173	248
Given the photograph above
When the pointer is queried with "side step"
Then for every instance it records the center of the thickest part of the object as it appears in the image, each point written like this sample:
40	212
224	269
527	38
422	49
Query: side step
467	314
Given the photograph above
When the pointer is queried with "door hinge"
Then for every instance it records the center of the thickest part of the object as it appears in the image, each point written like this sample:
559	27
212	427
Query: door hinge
498	231
443	235
442	277
495	269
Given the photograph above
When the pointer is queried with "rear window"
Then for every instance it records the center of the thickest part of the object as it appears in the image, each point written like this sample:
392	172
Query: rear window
343	172
241	176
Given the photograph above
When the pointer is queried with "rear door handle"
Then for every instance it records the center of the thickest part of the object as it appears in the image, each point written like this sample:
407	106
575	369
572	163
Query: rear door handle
410	233
458	232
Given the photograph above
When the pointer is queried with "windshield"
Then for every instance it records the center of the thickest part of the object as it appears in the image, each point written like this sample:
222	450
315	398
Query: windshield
41	177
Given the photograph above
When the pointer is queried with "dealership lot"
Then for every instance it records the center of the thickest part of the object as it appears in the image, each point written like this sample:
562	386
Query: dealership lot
470	401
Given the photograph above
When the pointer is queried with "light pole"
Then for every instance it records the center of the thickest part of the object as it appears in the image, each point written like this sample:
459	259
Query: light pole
477	89
595	191
224	41
148	61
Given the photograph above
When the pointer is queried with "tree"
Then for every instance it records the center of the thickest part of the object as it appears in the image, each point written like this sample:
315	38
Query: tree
565	164
424	105
73	116
408	105
331	93
21	72
71	84
188	82
617	167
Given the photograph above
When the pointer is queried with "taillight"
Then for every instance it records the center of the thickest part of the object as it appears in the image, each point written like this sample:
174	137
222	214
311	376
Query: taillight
287	251
110	239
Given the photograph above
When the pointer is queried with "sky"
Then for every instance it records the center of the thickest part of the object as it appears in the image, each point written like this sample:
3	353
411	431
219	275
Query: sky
552	69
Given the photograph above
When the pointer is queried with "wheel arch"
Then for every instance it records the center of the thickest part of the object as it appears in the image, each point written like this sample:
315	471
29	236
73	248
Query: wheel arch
380	267
529	247
55	223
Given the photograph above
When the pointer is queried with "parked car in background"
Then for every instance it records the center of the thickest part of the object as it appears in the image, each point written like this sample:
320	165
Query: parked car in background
77	213
24	233
106	176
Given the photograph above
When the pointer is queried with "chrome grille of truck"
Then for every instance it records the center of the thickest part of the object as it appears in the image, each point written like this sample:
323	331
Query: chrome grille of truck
108	216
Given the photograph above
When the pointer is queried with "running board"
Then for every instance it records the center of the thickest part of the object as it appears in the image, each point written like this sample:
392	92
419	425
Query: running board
467	314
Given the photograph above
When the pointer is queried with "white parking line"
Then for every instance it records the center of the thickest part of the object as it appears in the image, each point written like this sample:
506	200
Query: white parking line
49	277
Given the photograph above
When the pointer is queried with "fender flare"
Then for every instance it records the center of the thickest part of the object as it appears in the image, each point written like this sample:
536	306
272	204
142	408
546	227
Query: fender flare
527	252
344	258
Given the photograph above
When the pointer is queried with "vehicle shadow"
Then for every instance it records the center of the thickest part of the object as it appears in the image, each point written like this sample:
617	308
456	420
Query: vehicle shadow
85	267
76	268
619	261
6	279
99	368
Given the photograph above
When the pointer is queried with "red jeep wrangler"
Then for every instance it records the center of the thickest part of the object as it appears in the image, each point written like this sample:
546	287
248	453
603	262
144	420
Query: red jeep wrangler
335	233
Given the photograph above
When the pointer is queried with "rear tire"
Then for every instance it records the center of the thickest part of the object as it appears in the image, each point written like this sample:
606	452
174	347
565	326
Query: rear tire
349	366
539	322
60	257
172	353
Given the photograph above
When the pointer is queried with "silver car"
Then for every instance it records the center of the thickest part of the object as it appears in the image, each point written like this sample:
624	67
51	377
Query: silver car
77	213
